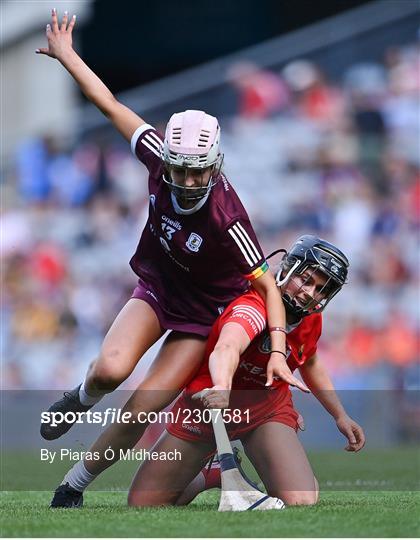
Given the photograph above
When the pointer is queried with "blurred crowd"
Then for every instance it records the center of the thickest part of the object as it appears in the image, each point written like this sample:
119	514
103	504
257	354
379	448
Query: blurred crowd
307	155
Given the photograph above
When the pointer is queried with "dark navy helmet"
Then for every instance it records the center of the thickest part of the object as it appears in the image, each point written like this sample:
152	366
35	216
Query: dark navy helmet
310	256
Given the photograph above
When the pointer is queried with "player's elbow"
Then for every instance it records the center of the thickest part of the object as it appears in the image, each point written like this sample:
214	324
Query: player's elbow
223	362
227	352
227	349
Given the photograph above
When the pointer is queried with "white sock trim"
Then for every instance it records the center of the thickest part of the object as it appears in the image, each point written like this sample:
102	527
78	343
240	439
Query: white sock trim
86	399
79	477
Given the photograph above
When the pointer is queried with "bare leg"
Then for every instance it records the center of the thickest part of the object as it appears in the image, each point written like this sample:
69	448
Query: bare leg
175	365
195	487
159	483
281	461
207	478
133	332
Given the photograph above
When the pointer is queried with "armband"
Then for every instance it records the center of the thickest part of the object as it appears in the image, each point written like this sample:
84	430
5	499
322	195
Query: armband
280	352
277	329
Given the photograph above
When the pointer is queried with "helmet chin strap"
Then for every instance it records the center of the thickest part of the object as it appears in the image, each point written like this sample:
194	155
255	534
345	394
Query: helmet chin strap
280	282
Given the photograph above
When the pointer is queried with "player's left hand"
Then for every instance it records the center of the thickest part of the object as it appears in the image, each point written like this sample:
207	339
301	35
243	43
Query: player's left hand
216	397
354	433
59	36
277	366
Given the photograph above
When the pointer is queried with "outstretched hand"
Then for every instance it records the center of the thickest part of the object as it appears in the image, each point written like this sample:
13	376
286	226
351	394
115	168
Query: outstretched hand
353	432
59	36
277	366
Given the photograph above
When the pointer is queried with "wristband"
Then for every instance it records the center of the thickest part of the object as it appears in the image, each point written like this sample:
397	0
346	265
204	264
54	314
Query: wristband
277	329
280	352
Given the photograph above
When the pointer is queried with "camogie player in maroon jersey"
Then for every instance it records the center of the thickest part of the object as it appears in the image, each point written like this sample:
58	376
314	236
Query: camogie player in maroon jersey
198	252
234	374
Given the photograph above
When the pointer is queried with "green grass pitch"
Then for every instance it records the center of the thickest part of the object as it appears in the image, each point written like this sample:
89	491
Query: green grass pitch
370	494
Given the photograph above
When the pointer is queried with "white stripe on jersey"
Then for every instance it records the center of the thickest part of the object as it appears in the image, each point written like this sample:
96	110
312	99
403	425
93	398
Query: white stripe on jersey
155	141
250	242
150	147
253	313
242	239
136	135
245	244
240	246
153	135
257	314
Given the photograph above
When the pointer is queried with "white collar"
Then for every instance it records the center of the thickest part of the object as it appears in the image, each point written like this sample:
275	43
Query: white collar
184	211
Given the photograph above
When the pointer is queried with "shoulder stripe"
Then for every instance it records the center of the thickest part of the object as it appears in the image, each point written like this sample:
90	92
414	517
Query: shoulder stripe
245	243
135	137
155	136
153	140
253	310
253	313
245	315
150	147
248	239
241	247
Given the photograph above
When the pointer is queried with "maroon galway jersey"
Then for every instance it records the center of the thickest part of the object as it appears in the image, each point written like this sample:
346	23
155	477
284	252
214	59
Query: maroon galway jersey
195	263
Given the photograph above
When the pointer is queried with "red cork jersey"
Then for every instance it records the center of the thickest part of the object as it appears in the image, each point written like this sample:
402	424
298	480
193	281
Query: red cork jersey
249	311
195	263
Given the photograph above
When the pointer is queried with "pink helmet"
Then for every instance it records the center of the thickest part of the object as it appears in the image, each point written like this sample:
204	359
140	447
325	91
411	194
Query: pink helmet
192	140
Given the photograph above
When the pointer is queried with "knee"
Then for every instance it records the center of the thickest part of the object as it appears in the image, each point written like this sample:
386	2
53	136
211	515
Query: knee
139	499
145	401
300	498
308	495
106	372
135	499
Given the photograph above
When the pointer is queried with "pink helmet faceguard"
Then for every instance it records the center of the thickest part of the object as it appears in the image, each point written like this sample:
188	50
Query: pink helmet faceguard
192	141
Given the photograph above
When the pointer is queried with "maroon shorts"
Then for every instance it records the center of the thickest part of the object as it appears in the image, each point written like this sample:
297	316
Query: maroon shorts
167	320
186	427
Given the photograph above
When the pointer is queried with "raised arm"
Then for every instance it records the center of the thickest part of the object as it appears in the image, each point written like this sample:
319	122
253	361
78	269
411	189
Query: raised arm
59	38
316	377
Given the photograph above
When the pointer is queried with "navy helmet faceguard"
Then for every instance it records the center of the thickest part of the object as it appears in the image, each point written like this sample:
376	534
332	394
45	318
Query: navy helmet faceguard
318	256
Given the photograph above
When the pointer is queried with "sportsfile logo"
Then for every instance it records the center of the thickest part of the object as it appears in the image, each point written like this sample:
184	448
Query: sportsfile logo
111	415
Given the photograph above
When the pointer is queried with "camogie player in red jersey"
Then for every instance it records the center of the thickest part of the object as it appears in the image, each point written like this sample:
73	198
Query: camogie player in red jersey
197	252
258	410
